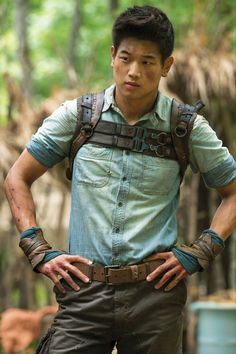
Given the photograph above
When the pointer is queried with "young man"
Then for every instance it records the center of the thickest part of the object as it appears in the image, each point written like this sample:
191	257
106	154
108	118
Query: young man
122	280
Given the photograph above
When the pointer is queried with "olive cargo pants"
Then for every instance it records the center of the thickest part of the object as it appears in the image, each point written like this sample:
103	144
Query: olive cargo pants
138	318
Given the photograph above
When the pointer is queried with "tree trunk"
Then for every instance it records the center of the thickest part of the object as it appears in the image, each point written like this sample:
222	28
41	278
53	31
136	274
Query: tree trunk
21	13
74	35
27	287
114	4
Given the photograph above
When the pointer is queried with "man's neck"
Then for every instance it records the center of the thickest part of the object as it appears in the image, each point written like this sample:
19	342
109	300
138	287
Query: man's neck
134	109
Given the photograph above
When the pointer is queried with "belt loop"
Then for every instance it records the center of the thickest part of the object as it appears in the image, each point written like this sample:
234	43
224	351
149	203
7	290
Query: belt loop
90	271
118	128
114	140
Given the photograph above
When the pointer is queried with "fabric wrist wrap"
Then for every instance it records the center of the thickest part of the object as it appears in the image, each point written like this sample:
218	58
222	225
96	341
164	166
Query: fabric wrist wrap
204	249
36	248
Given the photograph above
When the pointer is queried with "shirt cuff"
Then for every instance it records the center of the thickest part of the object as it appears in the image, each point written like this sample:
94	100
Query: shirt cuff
45	153
221	175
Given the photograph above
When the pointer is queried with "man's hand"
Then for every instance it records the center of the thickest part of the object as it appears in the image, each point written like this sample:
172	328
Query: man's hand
171	267
60	267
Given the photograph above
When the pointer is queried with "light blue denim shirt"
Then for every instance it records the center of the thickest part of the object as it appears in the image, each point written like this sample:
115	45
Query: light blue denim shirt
124	203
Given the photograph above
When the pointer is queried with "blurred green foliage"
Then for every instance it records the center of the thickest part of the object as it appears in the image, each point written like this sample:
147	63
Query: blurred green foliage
49	25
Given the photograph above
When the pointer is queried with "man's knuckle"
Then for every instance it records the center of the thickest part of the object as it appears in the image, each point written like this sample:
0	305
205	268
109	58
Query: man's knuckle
47	269
165	277
160	269
67	277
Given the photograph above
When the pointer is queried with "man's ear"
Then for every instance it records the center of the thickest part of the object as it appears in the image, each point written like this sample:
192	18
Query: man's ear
112	55
167	65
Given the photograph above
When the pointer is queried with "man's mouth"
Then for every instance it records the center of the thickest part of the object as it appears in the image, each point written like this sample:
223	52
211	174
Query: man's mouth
131	84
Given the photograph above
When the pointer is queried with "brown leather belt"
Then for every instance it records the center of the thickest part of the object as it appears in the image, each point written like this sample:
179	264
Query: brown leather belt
118	275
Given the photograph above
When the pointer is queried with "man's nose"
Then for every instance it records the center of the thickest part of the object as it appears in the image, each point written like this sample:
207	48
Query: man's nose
134	70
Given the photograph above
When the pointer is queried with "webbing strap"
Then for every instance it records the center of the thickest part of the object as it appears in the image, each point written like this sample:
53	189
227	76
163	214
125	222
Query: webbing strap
150	142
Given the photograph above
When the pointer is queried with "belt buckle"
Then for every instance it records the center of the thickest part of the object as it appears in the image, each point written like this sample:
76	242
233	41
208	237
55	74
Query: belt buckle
106	272
139	145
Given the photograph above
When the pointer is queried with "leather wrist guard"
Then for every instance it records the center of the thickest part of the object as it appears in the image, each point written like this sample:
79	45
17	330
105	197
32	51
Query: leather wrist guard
203	249
35	248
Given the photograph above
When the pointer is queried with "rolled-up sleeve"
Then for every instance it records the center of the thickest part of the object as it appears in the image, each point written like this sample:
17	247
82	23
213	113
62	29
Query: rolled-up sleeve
51	142
208	156
221	175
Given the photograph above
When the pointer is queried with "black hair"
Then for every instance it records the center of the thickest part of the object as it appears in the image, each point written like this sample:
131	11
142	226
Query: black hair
145	23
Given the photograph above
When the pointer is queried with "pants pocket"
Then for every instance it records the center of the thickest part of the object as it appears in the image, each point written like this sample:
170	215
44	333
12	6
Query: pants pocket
44	344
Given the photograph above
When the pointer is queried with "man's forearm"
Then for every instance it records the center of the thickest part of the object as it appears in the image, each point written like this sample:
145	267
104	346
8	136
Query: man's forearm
21	202
224	220
211	242
17	186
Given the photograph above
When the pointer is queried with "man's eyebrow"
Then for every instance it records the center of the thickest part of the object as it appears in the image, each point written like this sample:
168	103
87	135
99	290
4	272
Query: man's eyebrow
148	55
124	51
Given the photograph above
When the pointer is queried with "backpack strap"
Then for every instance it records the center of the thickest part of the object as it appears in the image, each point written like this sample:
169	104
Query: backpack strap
89	109
182	120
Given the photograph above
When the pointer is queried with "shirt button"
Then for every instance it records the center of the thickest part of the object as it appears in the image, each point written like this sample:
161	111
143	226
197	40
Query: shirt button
117	230
124	178
120	204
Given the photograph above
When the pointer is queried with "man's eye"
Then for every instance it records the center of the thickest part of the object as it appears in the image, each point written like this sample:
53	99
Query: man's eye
124	59
146	62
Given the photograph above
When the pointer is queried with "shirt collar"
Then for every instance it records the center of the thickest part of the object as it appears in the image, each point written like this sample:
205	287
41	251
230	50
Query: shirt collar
161	108
109	98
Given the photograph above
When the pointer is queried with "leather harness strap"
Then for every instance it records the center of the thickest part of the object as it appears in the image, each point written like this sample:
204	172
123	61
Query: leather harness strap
118	275
182	120
151	142
89	109
171	145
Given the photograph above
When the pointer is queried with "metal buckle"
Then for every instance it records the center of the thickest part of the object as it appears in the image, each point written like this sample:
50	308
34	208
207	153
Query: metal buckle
162	138
161	153
155	148
138	140
87	129
181	130
106	271
140	132
139	145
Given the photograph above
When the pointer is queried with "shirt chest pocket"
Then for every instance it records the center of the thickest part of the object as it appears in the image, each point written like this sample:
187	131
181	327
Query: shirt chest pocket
92	165
160	176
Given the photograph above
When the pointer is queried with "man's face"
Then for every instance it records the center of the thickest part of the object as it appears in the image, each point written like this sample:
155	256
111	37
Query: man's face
137	68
